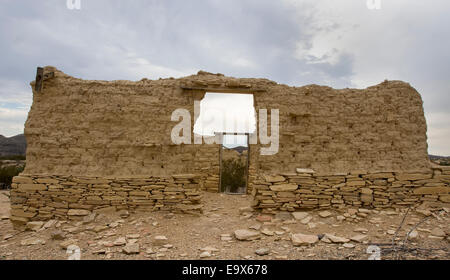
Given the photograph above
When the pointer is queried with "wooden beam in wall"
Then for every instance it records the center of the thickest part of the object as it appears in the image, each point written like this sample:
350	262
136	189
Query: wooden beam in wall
226	90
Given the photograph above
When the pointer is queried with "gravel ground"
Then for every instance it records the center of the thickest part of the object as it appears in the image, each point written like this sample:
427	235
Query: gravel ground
211	235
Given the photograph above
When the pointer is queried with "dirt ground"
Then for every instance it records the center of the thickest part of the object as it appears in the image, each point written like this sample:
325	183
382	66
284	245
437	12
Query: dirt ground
211	235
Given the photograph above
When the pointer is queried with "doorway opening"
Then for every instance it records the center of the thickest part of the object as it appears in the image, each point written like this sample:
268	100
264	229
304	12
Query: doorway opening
231	117
234	162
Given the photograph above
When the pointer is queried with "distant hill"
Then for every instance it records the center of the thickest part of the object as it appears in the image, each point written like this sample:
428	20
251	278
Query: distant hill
434	157
15	145
238	149
441	160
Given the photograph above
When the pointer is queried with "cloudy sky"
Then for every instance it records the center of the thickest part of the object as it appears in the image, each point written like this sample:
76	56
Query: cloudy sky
328	42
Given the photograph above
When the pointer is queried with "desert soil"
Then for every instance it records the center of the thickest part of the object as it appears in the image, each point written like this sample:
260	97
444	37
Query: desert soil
211	235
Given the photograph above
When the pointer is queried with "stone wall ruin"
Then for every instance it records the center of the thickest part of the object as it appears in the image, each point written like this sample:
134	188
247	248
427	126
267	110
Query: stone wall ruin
94	145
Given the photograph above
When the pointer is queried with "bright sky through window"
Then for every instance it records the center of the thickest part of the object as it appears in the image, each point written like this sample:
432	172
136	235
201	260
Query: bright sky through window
227	112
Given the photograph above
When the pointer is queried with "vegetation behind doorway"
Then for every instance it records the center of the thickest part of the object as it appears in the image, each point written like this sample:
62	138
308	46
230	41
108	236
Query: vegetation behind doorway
234	165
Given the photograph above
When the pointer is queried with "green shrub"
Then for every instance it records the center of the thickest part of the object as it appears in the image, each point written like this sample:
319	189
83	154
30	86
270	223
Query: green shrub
233	175
7	173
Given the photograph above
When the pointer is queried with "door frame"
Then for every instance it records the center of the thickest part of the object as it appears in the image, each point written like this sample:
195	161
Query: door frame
221	134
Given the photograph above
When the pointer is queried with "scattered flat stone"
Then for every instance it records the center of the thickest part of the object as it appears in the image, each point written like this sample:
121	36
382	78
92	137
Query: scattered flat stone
100	228
131	248
4	217
34	226
225	237
50	223
163	249
58	235
358	238
281	257
124	213
7	236
325	214
284	216
113	224
245	235
209	249
311	225
109	233
73	229
255	227
365	211
205	254
120	241
349	245
67	243
263	218
262	251
160	240
99	252
362	230
340	218
133	236
267	232
89	218
286	229
325	239
300	215
247	209
106	243
300	239
336	239
31	241
306	220
424	212
245	216
375	221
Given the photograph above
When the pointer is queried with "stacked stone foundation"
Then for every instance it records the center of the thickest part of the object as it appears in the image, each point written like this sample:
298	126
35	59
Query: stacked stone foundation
306	189
40	197
211	183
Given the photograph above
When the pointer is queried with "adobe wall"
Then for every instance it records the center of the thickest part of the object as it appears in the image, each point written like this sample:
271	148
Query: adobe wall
116	128
107	130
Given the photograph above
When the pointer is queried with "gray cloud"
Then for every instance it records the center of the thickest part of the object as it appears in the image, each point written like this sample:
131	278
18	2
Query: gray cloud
338	43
